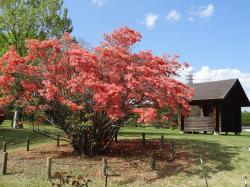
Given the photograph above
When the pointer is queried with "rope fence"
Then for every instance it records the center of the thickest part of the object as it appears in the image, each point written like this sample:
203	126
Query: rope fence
28	141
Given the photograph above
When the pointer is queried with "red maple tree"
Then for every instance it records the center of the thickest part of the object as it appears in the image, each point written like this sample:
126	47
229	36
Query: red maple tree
90	94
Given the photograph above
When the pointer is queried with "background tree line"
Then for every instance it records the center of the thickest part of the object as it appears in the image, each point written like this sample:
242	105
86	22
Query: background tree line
245	118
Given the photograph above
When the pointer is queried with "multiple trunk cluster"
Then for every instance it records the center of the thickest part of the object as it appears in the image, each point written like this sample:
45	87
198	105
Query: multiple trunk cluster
92	140
88	134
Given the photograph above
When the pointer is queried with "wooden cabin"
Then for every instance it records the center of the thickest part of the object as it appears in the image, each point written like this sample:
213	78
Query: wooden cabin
216	107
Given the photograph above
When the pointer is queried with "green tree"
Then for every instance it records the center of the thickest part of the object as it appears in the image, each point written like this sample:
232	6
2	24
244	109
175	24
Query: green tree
245	118
31	19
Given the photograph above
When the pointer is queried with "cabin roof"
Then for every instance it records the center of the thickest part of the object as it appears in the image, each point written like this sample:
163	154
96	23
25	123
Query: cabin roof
220	91
216	90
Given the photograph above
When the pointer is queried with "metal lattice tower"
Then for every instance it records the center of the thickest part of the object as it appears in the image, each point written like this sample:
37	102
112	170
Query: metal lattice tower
190	78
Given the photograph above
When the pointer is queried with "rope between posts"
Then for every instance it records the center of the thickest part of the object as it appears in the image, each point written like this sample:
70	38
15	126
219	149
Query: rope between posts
54	162
85	164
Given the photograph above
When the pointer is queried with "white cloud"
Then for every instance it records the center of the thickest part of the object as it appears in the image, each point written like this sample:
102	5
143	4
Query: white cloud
207	74
191	19
173	16
98	2
150	20
206	11
201	12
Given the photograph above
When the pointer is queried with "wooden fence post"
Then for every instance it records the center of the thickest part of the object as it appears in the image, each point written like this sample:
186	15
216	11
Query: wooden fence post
4	146
58	140
245	181
172	148
143	139
104	167
28	144
162	142
5	160
116	137
49	167
106	177
204	171
153	160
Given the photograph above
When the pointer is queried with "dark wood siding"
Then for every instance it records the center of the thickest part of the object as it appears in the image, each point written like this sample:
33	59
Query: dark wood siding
230	118
231	110
212	115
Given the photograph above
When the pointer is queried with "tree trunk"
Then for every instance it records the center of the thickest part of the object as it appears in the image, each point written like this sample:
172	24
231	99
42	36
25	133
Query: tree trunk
94	140
14	125
89	133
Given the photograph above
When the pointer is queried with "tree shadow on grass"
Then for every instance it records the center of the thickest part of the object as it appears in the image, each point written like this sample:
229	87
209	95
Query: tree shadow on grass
135	134
216	157
18	137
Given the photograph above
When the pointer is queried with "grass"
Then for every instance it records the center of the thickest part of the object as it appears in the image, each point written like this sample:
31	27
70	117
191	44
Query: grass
226	159
16	138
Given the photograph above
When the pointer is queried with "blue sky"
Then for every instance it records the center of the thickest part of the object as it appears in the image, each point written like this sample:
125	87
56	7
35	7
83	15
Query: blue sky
220	40
212	35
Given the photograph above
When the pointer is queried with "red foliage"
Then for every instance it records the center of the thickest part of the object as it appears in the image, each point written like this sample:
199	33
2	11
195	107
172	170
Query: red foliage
110	78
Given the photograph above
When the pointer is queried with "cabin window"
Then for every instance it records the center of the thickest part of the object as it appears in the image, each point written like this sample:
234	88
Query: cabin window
195	111
202	110
207	110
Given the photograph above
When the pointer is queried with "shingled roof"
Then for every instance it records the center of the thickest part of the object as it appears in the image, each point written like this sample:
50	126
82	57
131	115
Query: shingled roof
216	90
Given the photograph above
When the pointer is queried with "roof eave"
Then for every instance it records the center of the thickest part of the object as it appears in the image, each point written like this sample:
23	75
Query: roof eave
204	101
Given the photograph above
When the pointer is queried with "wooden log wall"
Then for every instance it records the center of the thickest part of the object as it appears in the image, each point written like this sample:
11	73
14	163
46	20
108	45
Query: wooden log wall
199	124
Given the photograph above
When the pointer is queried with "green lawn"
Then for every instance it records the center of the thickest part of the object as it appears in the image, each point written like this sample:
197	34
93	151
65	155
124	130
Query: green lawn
16	138
226	159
